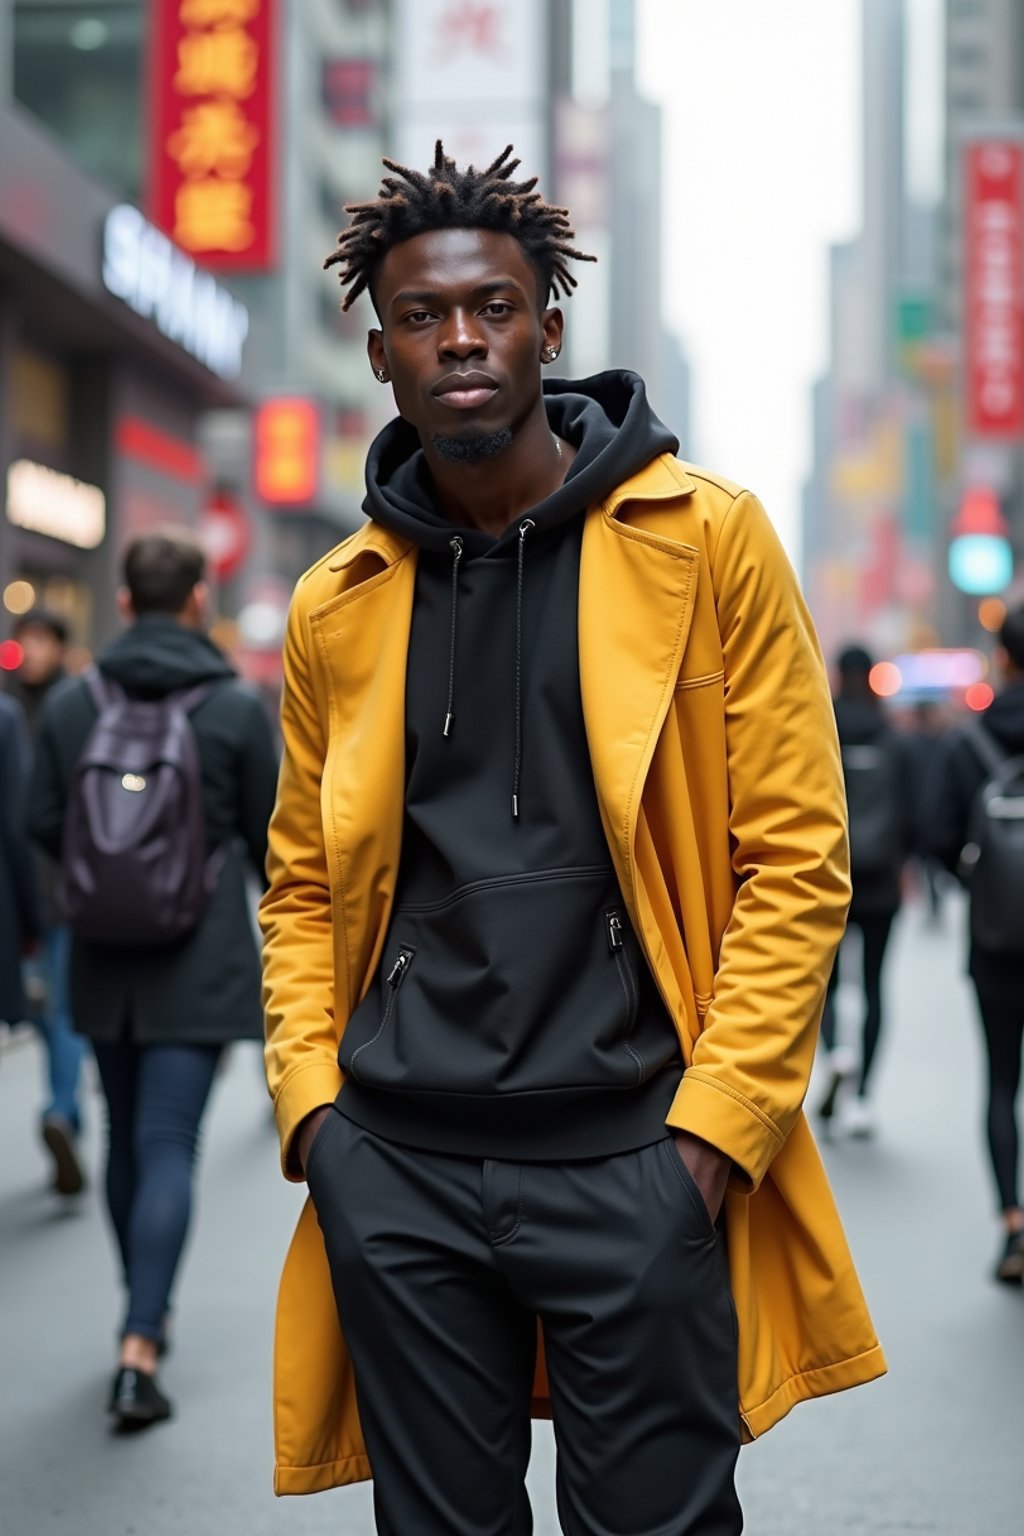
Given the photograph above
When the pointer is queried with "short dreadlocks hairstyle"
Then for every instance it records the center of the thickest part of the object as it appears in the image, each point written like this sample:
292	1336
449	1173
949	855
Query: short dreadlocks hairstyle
410	203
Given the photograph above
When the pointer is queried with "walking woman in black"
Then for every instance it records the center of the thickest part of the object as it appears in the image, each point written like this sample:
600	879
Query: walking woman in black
969	760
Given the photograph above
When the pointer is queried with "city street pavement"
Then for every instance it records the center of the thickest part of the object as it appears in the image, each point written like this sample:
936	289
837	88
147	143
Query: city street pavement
936	1447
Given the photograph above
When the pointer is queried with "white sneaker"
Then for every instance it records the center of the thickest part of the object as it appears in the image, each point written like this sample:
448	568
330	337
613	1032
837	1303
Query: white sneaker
840	1064
857	1118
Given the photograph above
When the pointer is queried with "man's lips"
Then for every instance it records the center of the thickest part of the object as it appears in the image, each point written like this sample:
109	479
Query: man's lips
465	391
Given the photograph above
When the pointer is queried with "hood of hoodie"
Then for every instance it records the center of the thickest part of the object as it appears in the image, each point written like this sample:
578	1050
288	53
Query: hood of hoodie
1005	717
607	419
858	720
157	655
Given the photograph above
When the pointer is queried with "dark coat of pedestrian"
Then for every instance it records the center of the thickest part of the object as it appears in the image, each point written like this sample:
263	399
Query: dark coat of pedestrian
960	772
19	910
186	992
861	722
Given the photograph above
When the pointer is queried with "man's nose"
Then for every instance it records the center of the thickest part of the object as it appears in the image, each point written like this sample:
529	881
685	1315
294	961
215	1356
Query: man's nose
461	337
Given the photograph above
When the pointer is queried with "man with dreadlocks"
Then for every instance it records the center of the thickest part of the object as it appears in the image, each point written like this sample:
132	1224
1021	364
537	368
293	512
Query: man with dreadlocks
557	873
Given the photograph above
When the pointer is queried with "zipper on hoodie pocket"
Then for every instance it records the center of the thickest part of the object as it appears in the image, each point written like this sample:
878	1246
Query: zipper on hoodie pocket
392	983
617	947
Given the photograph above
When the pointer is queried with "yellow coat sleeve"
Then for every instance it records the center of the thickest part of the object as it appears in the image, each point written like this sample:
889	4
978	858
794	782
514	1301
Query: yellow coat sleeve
295	915
751	1064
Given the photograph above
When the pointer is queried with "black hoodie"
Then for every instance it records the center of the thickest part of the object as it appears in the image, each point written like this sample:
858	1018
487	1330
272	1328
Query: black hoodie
513	1014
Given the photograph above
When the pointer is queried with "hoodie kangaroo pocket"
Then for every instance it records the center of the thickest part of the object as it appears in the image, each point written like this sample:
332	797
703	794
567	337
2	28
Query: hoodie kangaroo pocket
524	984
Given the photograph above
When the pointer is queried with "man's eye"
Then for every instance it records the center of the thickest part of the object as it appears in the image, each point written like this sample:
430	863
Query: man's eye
418	316
498	307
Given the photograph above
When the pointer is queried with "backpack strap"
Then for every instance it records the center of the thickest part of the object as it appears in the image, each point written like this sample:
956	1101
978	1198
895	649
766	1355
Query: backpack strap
188	699
103	690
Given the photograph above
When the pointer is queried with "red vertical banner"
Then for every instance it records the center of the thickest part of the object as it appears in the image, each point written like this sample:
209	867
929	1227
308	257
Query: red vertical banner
993	225
211	134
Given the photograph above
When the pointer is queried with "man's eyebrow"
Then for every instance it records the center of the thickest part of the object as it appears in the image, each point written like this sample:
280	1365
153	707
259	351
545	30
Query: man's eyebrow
432	296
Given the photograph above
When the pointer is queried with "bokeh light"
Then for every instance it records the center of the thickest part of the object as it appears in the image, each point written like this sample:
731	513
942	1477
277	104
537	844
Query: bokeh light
885	679
991	613
979	696
19	596
11	656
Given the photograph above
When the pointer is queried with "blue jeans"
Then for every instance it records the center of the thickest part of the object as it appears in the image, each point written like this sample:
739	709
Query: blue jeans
155	1097
65	1051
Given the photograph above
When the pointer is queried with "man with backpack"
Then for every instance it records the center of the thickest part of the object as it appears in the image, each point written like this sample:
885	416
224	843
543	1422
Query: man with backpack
974	815
879	776
154	780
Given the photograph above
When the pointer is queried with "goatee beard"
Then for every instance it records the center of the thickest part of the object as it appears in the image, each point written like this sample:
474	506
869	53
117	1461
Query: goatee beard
471	448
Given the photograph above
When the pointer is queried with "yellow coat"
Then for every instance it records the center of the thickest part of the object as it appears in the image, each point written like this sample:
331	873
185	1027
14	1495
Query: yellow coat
718	776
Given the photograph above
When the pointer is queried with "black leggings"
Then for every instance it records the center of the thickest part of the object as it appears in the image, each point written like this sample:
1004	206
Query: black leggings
875	929
1002	1018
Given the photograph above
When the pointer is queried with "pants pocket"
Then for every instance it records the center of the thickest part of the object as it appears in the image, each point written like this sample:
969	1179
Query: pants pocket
688	1183
329	1124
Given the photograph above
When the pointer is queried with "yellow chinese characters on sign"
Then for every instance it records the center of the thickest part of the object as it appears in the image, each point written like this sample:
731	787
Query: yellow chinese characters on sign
222	61
213	215
214	136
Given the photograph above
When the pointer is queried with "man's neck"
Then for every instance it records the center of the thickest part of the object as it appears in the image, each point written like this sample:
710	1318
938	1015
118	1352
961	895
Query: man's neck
494	494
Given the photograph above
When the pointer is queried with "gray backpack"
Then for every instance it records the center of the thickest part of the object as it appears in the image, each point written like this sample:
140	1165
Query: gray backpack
135	868
992	861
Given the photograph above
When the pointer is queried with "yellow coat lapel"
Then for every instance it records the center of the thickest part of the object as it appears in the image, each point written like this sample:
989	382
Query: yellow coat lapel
637	591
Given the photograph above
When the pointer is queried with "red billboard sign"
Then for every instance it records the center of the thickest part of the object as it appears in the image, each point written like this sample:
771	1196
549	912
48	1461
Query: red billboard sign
287	443
211	138
994	288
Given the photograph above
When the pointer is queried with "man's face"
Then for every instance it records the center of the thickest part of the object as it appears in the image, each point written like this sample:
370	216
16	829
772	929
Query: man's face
43	654
461	338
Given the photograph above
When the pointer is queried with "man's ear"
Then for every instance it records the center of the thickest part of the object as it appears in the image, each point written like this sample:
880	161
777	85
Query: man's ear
124	605
553	328
378	360
197	606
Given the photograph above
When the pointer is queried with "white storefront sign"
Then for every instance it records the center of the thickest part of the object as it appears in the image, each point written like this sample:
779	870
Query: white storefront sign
45	501
473	73
160	283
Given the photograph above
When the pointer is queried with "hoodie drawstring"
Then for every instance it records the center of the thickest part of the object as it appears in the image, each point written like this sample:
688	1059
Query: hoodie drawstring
455	546
524	529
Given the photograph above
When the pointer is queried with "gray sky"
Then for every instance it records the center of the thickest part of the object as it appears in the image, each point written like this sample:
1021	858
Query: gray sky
762	172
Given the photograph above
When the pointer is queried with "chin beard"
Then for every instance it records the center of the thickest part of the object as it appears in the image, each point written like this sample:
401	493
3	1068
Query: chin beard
471	447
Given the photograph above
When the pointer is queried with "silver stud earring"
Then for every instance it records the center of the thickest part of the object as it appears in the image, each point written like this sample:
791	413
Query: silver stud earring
382	377
551	353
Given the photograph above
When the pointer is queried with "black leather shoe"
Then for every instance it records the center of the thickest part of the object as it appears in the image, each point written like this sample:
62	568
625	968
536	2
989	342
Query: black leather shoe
136	1400
59	1136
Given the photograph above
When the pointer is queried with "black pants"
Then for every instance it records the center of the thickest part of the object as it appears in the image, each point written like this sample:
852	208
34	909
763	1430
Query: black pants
875	928
1002	1018
441	1267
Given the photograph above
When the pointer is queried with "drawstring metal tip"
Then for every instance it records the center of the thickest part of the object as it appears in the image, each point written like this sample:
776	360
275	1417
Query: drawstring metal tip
449	721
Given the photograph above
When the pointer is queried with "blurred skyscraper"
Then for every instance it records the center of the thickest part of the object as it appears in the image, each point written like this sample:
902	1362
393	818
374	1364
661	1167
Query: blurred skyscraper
870	500
607	169
903	466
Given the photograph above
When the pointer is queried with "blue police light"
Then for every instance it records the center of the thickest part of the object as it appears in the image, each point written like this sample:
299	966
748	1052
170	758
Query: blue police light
980	563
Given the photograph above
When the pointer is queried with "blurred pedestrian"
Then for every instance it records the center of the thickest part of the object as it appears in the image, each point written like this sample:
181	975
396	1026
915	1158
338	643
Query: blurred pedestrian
974	815
43	637
927	727
19	909
558	867
880	793
173	758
